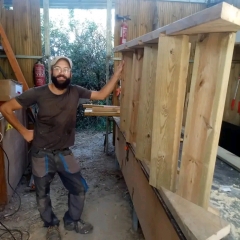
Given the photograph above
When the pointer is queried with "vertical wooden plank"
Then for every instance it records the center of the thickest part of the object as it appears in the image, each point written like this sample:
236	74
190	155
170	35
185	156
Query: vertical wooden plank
134	87
172	67
125	92
204	117
145	110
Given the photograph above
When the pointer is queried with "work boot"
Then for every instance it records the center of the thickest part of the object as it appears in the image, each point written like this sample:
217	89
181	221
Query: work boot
79	226
53	233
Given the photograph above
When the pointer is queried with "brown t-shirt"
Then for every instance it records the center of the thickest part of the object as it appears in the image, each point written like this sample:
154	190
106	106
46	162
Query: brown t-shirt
56	119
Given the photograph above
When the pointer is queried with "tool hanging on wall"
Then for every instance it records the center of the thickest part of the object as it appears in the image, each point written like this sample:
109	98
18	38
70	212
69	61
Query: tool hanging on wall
235	95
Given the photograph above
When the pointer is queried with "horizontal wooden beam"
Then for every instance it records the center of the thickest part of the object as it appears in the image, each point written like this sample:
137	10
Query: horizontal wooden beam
222	17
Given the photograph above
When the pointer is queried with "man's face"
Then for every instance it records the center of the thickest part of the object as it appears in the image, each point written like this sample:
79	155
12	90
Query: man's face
61	74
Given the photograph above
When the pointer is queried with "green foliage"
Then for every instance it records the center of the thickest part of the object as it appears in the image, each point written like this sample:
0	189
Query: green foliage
85	44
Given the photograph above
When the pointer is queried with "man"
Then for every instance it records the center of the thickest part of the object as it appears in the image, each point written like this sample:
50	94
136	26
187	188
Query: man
54	133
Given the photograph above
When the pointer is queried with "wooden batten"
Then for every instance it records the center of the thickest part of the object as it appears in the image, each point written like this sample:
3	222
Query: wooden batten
204	117
169	94
145	111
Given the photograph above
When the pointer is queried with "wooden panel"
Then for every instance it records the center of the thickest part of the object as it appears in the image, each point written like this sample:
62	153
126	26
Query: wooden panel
22	27
145	111
221	18
12	60
149	210
169	12
206	104
134	87
125	92
169	94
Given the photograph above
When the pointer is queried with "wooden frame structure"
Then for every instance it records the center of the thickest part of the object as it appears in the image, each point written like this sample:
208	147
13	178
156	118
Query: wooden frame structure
151	117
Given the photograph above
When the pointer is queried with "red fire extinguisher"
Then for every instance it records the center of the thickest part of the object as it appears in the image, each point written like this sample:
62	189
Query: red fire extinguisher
123	29
123	32
39	74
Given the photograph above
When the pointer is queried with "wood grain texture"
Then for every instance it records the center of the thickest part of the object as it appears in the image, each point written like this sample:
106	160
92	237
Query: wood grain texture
169	94
125	90
134	96
195	222
145	110
22	27
204	117
222	17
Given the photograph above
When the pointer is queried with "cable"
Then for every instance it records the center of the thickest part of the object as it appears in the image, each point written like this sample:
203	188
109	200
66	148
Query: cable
6	230
8	172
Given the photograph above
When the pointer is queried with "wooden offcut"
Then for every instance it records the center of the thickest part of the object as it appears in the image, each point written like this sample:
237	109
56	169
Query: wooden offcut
169	94
145	111
204	117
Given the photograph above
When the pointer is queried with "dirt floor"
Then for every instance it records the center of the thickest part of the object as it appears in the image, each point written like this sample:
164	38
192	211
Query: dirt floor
225	196
108	206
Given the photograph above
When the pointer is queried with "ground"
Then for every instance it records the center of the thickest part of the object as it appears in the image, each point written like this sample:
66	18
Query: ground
108	206
225	196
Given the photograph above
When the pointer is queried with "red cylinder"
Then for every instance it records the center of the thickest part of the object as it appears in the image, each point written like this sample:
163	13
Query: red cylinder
39	74
123	32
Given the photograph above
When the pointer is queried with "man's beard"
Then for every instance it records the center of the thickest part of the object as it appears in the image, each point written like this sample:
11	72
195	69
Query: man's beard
62	84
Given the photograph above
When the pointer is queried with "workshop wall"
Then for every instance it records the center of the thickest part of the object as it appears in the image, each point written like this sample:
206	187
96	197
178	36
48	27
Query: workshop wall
22	27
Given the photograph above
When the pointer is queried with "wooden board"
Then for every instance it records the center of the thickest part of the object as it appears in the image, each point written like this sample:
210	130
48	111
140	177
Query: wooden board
169	94
89	112
125	89
131	129
153	219
195	222
204	116
222	17
145	111
229	158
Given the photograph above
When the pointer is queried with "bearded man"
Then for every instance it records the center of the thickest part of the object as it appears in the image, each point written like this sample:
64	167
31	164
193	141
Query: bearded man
53	134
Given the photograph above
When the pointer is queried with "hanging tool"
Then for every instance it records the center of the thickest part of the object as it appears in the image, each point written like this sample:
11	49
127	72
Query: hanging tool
235	95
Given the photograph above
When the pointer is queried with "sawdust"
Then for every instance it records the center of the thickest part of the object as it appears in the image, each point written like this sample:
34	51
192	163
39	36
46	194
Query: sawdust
227	202
108	206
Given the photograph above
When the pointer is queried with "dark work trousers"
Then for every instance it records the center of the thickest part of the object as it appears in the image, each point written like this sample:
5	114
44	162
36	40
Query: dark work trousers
45	163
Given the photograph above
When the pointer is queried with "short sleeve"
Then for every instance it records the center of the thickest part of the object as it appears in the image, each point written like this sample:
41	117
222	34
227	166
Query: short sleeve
83	92
27	98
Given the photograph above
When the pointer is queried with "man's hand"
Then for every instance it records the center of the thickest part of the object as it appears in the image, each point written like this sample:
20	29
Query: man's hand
119	68
28	135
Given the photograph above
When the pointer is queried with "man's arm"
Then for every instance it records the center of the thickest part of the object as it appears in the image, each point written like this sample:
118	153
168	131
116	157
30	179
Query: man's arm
108	88
7	111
